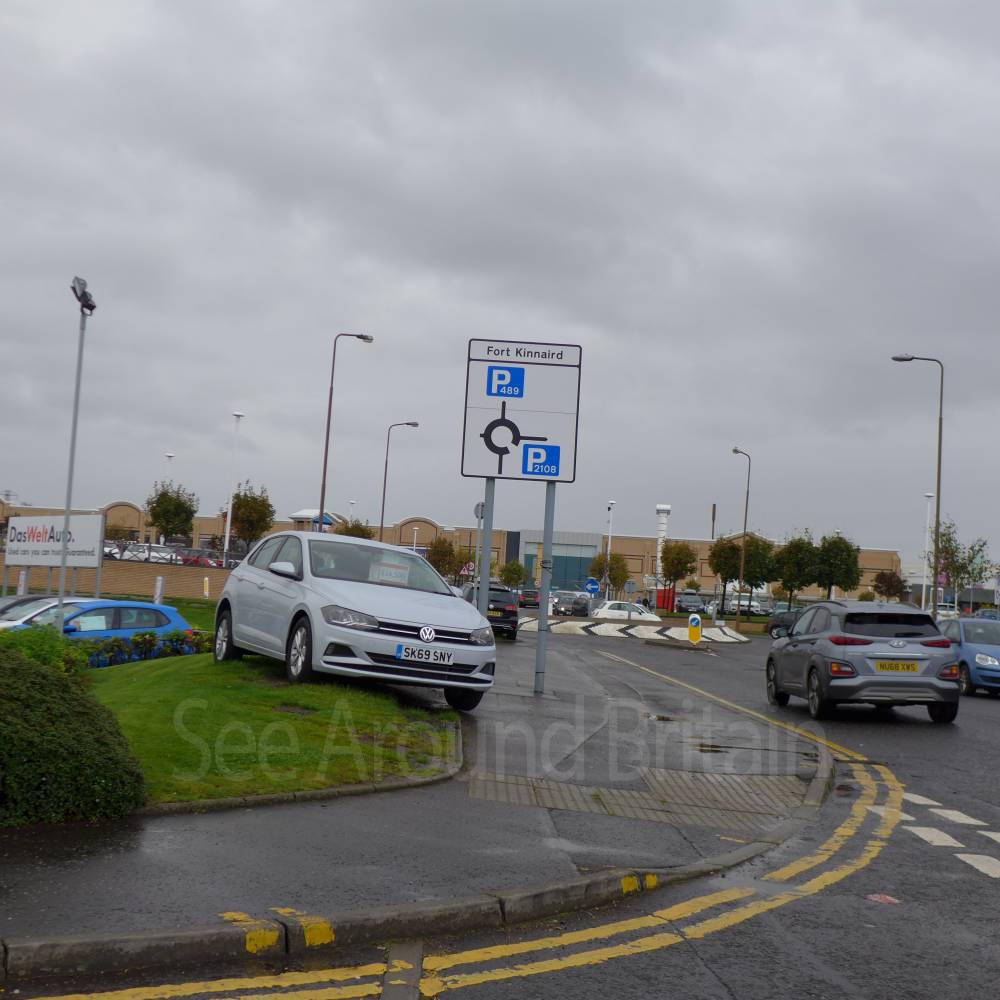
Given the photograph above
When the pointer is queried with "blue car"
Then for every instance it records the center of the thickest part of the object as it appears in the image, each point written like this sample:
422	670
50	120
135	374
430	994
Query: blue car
976	642
102	619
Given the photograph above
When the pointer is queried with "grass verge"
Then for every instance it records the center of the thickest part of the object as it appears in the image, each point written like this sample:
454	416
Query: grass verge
202	730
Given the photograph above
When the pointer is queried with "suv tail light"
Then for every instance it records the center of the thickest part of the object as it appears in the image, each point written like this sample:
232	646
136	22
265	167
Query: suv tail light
510	607
842	670
937	643
949	673
849	640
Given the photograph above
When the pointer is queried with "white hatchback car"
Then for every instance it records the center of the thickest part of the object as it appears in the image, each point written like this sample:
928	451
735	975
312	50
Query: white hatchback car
340	605
624	610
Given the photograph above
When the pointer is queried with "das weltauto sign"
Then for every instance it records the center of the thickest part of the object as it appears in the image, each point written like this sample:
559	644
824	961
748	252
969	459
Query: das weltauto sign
37	541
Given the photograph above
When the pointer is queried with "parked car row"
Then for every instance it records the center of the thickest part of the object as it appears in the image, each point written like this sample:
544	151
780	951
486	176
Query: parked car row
148	552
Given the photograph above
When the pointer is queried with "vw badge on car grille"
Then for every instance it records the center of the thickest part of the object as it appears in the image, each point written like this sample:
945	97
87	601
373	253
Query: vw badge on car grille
427	634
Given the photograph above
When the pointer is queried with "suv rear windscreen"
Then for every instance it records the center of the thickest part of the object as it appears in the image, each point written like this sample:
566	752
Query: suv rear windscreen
889	625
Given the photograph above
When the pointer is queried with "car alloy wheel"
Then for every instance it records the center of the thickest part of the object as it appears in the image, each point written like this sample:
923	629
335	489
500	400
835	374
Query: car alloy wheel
299	651
222	638
965	684
817	703
774	696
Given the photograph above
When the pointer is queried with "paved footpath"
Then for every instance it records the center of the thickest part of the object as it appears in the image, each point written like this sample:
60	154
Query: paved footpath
608	769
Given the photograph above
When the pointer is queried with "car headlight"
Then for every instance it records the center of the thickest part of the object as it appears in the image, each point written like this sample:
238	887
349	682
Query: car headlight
985	660
336	615
482	636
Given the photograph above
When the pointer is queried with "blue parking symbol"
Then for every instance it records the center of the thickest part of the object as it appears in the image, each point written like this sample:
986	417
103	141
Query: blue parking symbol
505	382
540	460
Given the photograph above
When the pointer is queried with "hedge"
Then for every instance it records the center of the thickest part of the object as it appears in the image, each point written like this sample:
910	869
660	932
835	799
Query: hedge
62	755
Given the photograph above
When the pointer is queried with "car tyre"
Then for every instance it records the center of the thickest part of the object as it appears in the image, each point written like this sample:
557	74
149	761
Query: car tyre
462	699
965	685
884	711
819	704
512	636
943	712
298	652
774	695
223	648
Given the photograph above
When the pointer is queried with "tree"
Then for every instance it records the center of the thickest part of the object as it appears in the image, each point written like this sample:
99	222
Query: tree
837	564
513	574
890	585
677	559
355	529
117	533
171	509
866	595
617	573
795	565
691	583
442	556
759	567
963	565
724	560
253	513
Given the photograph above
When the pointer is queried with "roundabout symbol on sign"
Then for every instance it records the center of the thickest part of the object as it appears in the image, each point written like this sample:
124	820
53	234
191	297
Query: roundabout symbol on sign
500	449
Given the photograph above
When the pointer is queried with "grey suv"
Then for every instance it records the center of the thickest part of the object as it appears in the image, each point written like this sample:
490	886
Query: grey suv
864	653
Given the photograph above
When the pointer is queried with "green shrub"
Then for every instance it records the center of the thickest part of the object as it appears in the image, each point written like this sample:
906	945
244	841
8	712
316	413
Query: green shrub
62	754
45	646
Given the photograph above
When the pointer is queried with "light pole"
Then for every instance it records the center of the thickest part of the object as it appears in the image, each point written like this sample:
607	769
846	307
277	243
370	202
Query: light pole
927	545
385	474
607	557
232	480
350	509
367	338
743	545
937	494
87	307
414	539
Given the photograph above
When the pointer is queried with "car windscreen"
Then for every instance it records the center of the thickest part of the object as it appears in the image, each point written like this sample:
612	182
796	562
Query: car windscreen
986	632
21	611
889	624
369	564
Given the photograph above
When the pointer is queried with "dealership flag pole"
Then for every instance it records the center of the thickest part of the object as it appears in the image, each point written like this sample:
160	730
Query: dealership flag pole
87	308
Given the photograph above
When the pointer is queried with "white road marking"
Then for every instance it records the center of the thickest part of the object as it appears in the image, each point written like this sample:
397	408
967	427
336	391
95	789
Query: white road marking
957	817
990	834
982	863
937	838
881	810
919	800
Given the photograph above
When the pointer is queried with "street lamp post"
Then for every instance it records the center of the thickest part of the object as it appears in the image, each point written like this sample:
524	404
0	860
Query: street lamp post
927	544
937	494
743	545
170	462
232	489
607	557
385	474
415	539
367	338
87	307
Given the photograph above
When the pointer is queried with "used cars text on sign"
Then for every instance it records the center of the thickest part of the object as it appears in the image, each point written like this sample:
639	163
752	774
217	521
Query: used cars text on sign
37	541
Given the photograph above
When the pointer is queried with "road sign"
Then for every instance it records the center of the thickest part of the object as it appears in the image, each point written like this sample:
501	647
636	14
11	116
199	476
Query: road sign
522	401
630	586
694	628
478	510
592	586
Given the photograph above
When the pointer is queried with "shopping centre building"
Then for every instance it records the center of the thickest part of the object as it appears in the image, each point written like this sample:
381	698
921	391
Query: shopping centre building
572	552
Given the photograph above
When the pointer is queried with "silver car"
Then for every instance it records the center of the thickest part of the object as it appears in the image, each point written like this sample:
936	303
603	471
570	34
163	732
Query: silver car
335	604
861	652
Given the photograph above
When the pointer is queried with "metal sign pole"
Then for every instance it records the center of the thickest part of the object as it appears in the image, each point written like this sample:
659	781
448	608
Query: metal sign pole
543	598
487	543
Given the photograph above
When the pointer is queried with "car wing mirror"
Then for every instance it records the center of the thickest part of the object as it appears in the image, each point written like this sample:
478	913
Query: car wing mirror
70	627
780	632
284	569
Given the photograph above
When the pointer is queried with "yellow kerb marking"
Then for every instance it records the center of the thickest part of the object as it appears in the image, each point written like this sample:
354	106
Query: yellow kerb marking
650	881
436	963
333	993
316	930
258	935
804	733
630	884
176	990
840	836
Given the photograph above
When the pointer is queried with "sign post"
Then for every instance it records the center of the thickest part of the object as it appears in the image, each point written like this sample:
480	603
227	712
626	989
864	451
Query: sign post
522	402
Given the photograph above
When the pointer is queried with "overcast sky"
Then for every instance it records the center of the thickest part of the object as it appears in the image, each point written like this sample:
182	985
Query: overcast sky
739	209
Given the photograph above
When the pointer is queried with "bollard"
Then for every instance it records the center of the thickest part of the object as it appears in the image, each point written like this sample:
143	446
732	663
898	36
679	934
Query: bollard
158	591
22	582
694	628
204	588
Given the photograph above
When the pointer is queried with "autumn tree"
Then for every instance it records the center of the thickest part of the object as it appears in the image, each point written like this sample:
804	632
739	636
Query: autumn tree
253	513
890	585
677	559
442	556
355	529
758	563
795	565
963	565
513	574
724	561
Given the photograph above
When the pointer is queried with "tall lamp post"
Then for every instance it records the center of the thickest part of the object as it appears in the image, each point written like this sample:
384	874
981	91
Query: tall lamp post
385	474
937	494
87	307
927	544
743	545
367	338
232	489
607	557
